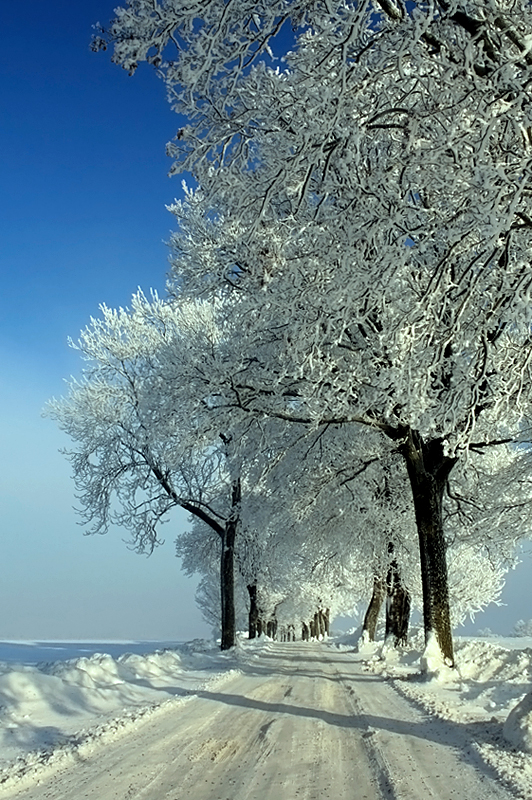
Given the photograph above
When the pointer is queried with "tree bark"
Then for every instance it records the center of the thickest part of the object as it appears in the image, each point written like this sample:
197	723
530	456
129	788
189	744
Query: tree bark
253	611
227	536
227	587
397	607
369	625
428	470
227	572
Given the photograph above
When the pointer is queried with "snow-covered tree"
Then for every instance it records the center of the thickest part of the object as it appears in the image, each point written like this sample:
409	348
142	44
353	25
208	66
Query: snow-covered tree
522	628
374	189
144	442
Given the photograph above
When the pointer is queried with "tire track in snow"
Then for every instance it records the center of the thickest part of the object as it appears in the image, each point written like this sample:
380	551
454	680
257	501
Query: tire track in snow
421	756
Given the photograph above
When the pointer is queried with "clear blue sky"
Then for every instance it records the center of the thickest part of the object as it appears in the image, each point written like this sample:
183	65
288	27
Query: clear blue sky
83	191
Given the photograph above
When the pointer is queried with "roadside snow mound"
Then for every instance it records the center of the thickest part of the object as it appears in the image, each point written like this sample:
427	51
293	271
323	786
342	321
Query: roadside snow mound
518	727
64	703
432	662
488	693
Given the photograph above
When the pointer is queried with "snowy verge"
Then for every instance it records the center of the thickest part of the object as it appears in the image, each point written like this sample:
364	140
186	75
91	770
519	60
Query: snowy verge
54	712
487	694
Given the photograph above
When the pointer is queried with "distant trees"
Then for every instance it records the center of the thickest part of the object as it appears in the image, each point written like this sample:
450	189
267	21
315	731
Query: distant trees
523	628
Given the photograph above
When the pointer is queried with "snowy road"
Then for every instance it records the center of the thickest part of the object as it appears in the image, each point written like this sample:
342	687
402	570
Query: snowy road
302	722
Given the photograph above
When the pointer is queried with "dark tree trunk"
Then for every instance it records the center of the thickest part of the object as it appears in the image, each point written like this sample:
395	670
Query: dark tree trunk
369	625
397	607
428	470
227	587
327	621
254	620
227	573
305	633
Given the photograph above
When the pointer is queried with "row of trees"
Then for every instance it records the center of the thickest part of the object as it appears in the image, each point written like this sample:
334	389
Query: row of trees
349	303
305	517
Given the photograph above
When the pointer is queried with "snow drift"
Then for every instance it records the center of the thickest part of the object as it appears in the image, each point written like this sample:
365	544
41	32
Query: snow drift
63	704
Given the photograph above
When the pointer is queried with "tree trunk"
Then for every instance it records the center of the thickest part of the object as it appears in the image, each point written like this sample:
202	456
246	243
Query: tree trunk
305	633
227	587
428	470
327	621
369	625
397	607
227	572
254	620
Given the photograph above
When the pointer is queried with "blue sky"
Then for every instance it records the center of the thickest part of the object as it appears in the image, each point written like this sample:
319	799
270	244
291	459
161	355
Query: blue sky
83	191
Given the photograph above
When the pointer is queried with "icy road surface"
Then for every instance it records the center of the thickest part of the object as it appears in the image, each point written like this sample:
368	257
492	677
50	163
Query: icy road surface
302	722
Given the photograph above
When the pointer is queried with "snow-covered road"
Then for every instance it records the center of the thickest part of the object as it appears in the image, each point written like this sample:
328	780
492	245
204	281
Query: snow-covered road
302	721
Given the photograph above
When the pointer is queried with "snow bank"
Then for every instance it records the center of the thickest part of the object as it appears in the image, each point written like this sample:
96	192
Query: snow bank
65	703
489	693
432	663
491	677
518	727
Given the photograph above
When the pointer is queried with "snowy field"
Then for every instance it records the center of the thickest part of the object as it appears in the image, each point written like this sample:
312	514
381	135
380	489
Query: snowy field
51	711
23	652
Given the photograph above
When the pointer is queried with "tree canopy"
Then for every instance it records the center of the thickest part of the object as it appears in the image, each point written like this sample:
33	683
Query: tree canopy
360	233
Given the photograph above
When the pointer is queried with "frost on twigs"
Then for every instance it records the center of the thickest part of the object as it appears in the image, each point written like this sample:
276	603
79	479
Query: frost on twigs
518	726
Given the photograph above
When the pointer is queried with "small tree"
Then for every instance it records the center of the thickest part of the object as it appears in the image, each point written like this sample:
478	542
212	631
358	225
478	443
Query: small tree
144	444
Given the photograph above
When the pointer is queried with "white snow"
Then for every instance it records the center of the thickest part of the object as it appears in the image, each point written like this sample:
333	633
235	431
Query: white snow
489	693
432	662
51	711
518	727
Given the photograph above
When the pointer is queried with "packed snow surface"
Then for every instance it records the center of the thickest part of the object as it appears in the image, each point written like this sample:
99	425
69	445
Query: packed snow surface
267	718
